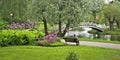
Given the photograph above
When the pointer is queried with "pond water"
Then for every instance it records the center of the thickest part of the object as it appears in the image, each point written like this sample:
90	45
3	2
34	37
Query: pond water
85	33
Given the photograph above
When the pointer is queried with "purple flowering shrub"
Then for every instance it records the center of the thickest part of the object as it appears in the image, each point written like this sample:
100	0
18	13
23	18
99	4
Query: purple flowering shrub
43	43
25	25
51	38
48	39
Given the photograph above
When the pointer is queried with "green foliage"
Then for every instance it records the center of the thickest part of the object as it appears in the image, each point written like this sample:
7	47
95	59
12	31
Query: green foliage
18	37
93	31
40	27
18	8
57	43
117	30
112	15
77	28
72	56
106	32
2	24
43	43
110	10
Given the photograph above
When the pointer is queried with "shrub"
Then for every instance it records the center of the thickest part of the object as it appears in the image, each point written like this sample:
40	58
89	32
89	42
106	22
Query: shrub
93	31
72	56
3	24
43	43
25	25
56	44
18	37
51	38
47	40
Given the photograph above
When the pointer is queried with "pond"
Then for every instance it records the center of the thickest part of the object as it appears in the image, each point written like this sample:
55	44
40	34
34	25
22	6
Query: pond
85	33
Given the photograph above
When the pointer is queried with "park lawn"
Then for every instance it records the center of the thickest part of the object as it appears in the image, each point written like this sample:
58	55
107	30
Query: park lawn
99	40
57	53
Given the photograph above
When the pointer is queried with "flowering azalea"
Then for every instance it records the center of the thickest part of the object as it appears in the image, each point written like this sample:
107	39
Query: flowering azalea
28	24
50	38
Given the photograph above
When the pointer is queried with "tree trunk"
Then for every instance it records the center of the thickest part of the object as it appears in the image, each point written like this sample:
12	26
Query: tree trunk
111	21
111	25
117	22
45	26
60	26
94	15
66	29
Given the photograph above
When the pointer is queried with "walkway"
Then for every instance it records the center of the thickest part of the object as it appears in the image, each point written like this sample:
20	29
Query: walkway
98	44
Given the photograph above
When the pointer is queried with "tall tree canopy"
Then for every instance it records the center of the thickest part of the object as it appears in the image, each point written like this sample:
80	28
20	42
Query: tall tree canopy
16	8
112	13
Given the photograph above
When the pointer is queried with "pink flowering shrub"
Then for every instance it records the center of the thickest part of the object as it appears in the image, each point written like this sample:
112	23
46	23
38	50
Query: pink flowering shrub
43	43
48	39
51	38
25	25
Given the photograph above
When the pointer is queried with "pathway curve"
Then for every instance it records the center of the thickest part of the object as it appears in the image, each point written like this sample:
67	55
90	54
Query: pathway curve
98	44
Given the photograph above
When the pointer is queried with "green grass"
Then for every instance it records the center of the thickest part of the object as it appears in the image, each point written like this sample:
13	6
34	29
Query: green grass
57	53
106	32
99	40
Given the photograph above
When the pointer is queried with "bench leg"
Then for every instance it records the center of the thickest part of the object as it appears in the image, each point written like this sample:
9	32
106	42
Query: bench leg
77	44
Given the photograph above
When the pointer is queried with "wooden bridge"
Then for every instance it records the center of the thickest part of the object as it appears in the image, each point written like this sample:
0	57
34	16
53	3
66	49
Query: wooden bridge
96	28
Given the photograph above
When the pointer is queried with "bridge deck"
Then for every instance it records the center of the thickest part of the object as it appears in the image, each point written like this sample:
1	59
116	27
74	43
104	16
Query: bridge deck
97	28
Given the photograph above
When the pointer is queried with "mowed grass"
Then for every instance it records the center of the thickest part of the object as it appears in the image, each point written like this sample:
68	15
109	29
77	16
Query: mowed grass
99	40
57	53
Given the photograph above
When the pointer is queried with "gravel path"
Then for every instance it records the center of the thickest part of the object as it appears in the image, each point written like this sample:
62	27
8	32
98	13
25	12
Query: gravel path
98	44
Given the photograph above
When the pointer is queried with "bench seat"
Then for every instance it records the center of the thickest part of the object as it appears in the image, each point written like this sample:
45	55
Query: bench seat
72	39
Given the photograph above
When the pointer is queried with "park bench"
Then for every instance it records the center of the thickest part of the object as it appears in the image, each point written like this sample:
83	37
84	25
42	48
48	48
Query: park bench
72	39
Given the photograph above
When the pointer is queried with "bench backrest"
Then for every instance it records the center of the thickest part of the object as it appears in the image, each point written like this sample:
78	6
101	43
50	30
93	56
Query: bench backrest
71	39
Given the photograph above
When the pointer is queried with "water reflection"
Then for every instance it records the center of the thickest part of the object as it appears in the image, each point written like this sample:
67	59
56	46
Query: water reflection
85	33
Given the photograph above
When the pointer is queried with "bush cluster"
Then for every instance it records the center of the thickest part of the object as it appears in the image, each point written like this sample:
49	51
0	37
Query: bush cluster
25	25
72	56
2	25
47	40
18	37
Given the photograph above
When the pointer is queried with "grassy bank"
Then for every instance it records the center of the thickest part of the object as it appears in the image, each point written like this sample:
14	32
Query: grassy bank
57	53
99	40
106	32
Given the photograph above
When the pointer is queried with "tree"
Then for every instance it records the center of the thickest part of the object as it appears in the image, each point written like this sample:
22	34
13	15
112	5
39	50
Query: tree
73	14
117	17
69	13
111	13
17	8
59	8
42	12
96	7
